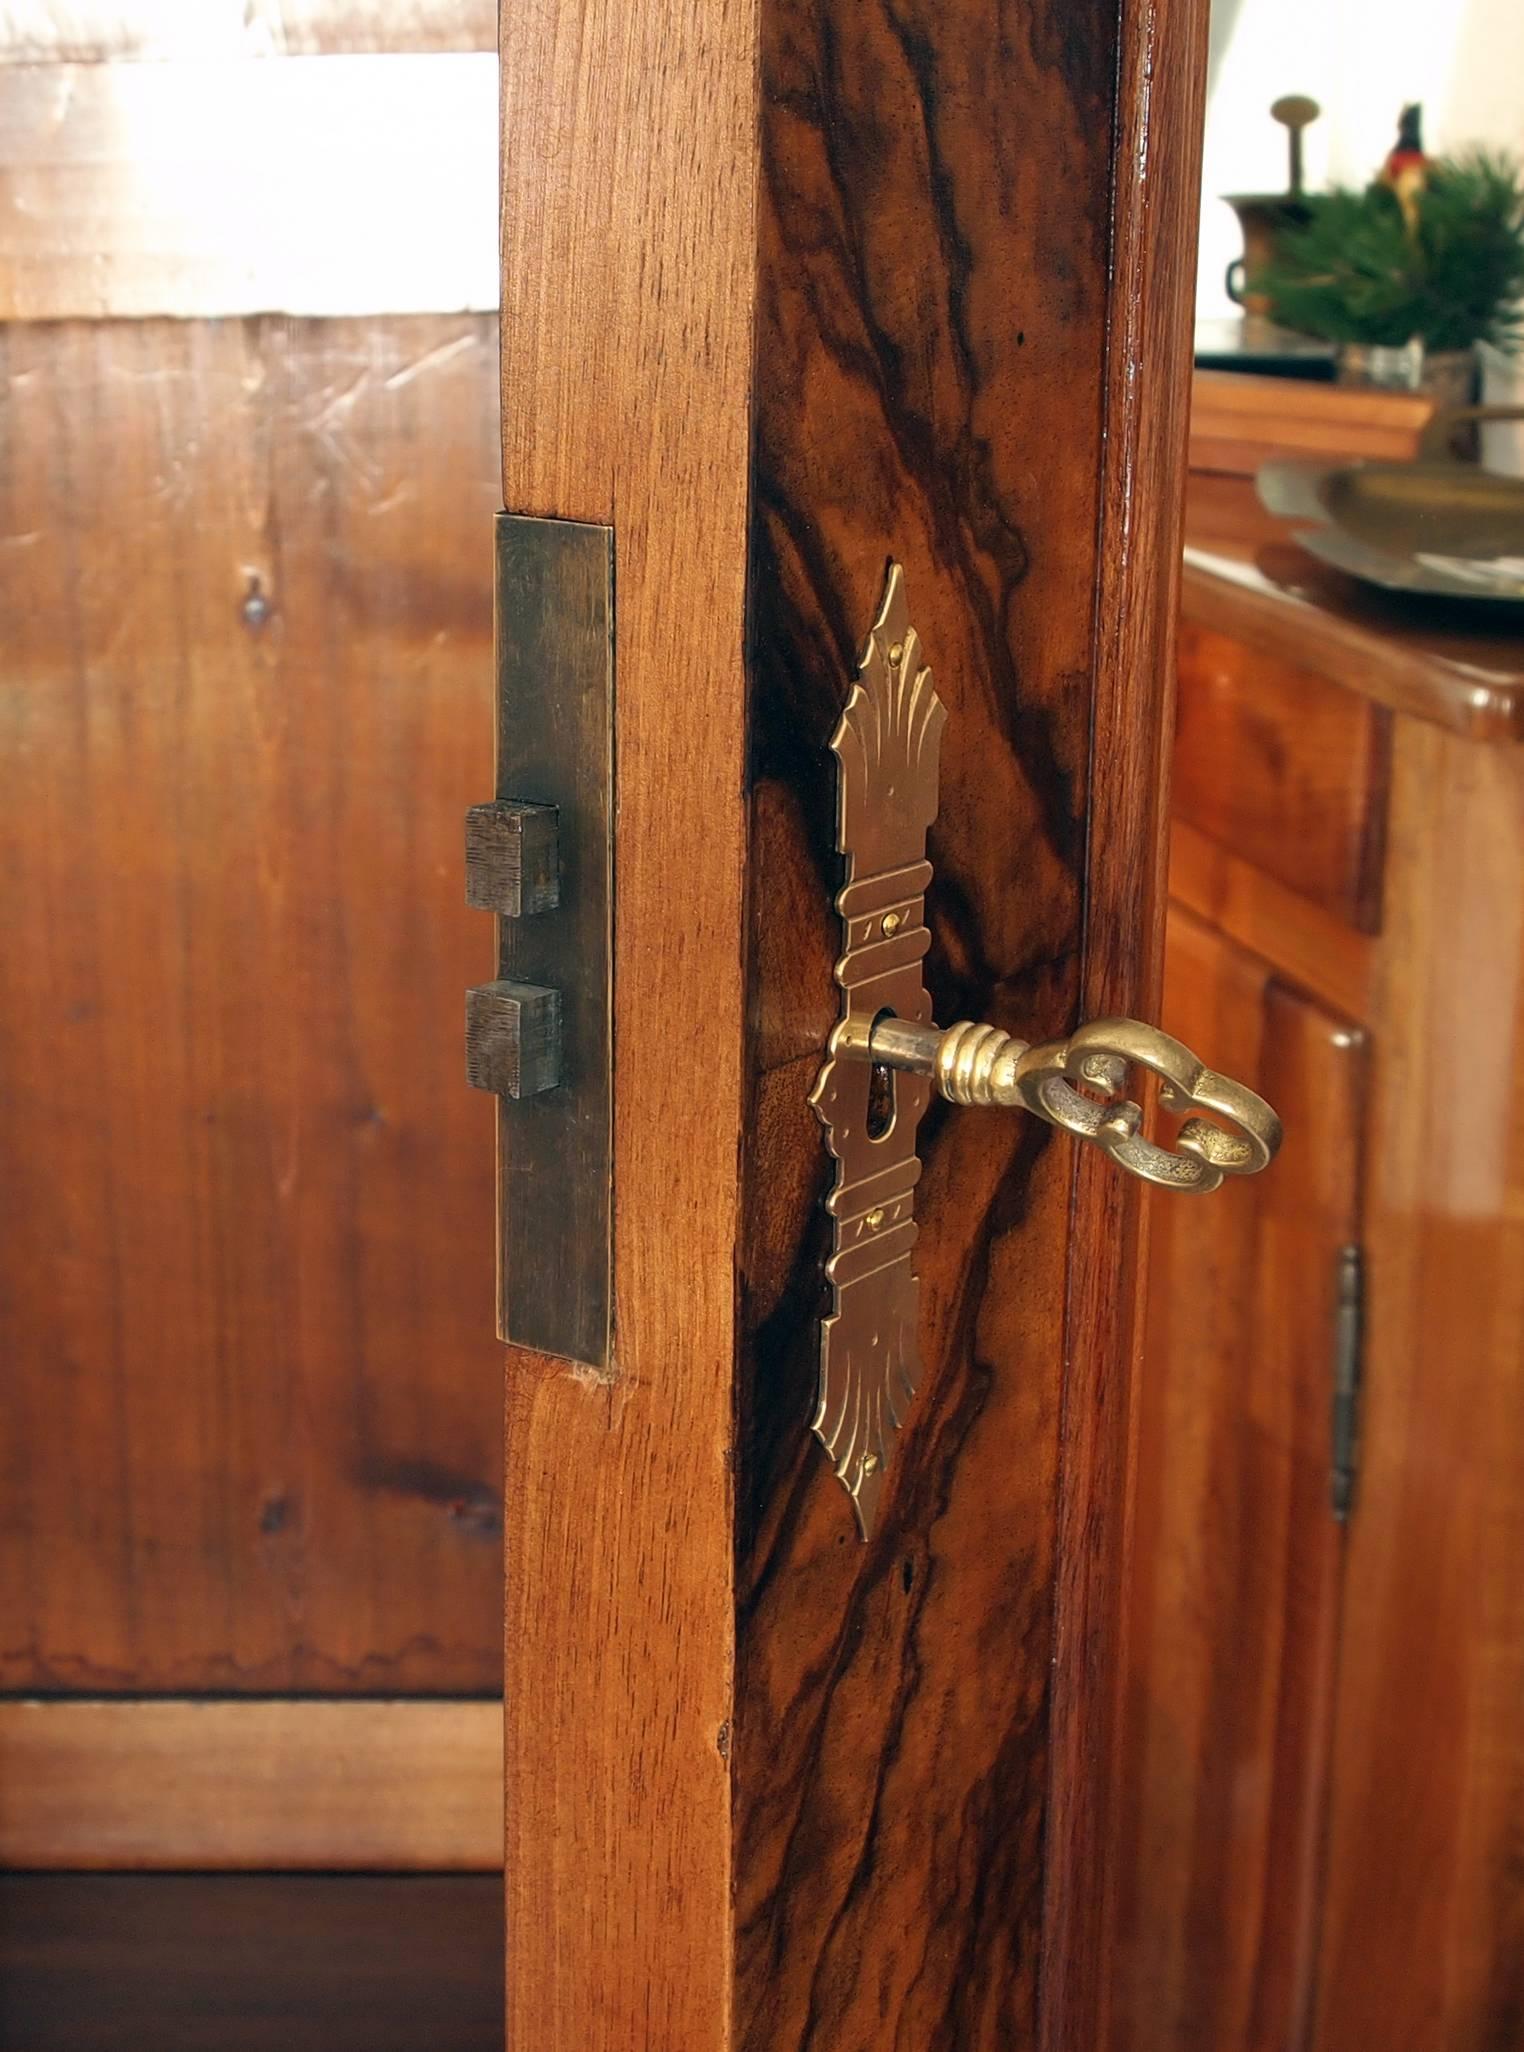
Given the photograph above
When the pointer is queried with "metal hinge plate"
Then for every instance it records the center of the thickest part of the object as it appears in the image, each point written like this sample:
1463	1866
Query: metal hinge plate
1349	1320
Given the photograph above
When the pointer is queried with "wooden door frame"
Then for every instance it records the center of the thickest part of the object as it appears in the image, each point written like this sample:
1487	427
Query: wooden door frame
1155	220
631	226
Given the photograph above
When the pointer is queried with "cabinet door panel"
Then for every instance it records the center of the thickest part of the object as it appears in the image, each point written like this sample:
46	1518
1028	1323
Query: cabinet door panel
1236	1563
1423	1930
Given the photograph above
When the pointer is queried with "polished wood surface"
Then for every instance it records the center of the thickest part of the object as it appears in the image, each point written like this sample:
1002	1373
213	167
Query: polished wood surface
1462	667
888	1816
1311	947
1239	422
1155	205
628	294
250	1963
1424	1932
1237	1557
807	1807
1323	1845
269	1782
248	1425
1287	773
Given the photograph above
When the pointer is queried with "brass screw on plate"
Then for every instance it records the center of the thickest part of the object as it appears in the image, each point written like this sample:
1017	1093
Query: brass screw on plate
896	654
892	922
874	1219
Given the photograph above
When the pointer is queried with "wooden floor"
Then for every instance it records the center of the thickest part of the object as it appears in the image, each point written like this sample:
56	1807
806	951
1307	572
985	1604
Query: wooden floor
250	1963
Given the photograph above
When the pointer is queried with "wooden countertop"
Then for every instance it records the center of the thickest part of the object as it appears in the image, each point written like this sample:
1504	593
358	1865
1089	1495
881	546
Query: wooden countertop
1460	666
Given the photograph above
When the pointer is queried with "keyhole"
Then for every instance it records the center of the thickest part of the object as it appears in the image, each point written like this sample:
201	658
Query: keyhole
880	1101
880	1093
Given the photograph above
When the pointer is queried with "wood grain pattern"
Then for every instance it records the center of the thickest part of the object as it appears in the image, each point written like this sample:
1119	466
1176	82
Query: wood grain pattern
1424	1937
629	196
1239	422
1155	208
248	1427
90	31
1236	1566
1285	769
1308	945
930	279
889	1821
250	1963
185	1783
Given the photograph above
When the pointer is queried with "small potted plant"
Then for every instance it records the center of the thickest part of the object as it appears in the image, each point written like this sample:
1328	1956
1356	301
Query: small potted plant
1408	276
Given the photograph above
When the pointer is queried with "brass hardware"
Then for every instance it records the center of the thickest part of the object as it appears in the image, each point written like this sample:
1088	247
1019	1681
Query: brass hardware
980	1065
887	746
540	856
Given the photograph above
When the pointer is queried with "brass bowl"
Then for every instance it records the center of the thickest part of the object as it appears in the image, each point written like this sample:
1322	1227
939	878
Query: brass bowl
1441	509
1435	526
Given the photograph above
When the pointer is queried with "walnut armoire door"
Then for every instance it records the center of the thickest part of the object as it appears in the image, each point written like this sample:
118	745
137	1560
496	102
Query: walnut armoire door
792	289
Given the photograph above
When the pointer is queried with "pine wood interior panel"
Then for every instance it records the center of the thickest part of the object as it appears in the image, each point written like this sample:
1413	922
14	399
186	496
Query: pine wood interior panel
1237	1555
1284	768
155	1783
628	290
250	1411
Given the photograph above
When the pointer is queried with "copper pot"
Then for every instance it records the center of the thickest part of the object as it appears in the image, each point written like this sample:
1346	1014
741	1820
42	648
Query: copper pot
1262	216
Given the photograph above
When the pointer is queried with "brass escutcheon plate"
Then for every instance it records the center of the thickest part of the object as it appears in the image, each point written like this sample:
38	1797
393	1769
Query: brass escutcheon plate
887	747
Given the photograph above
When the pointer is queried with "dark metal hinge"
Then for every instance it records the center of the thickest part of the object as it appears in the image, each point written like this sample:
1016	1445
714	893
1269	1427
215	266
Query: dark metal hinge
1349	1319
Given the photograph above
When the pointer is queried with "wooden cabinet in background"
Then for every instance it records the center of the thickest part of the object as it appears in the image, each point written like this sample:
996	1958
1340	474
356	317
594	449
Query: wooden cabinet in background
1238	1564
1323	1757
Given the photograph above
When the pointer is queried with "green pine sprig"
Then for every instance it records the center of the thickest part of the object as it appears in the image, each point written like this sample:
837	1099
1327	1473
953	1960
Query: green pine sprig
1360	271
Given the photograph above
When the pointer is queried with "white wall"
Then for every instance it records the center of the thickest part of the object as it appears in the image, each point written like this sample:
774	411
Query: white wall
1361	60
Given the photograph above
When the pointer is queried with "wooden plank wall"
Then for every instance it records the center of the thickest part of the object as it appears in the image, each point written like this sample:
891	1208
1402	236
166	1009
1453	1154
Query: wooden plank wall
250	1435
245	1289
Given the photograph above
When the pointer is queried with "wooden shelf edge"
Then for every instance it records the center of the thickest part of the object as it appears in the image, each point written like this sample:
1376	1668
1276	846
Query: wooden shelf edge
169	1783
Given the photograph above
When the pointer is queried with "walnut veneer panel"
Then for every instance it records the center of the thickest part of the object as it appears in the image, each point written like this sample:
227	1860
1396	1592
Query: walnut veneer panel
932	379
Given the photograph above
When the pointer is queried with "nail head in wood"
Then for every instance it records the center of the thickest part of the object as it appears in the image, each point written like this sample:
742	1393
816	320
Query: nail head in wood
512	859
513	1038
